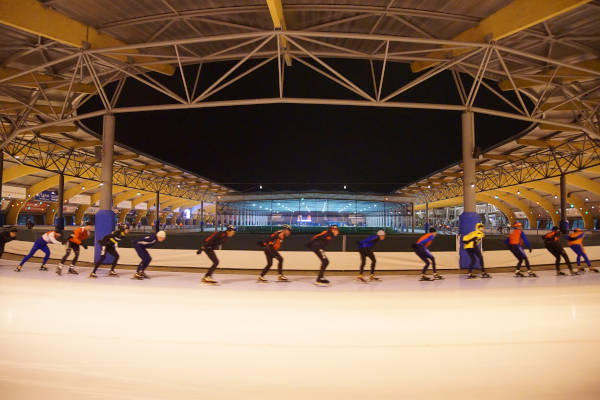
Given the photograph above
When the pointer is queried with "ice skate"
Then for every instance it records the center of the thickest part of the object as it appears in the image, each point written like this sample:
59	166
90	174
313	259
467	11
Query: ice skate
43	268
18	269
437	276
425	278
485	275
321	282
209	280
138	276
262	279
560	273
73	270
581	270
59	268
519	274
360	279
93	275
373	278
573	273
282	278
531	274
144	275
112	273
471	276
594	269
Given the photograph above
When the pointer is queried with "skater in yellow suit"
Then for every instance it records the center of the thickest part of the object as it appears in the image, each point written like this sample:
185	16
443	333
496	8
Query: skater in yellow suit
472	244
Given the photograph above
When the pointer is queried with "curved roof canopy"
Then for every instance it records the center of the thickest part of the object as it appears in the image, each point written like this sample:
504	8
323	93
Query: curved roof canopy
57	54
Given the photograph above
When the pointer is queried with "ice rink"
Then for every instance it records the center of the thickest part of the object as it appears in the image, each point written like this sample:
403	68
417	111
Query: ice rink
69	337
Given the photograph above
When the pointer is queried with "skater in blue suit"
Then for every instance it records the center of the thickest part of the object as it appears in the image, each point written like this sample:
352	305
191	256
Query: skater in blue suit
141	247
42	244
365	248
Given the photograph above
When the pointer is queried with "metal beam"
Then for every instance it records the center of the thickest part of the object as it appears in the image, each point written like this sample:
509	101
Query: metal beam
500	157
10	174
582	182
537	198
516	16
546	187
480	197
96	196
127	195
550	143
55	129
499	205
31	16
31	80
515	202
13	107
146	167
121	157
142	198
80	188
564	74
13	212
276	11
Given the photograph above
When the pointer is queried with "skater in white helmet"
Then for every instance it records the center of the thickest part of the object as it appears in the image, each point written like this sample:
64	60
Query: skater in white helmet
141	247
365	248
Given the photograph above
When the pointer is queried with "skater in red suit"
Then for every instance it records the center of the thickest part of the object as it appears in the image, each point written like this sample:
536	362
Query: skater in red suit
318	244
209	245
272	246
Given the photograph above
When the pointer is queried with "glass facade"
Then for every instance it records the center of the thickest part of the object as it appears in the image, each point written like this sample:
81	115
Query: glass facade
318	211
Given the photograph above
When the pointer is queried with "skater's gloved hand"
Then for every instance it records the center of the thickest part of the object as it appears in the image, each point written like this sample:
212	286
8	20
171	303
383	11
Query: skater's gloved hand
84	246
530	250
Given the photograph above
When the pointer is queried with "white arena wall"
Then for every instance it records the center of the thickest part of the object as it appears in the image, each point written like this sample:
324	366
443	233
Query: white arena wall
301	260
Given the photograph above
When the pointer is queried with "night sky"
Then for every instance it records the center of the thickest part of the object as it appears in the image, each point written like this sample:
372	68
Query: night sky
303	147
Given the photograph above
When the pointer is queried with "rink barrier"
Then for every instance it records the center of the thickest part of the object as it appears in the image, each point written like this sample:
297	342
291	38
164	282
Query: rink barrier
297	241
302	260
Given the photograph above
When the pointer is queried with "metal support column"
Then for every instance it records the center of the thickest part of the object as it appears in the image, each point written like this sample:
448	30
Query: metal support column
412	218
1	174
426	216
468	147
216	215
105	217
59	221
157	205
202	216
564	222
469	218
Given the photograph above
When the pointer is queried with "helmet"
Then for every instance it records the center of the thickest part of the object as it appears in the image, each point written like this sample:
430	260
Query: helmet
517	225
286	226
431	230
479	225
13	229
123	227
577	230
334	227
555	228
161	234
381	232
231	228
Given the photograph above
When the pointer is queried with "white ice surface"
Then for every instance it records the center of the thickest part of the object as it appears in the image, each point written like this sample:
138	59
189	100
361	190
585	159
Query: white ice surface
170	337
